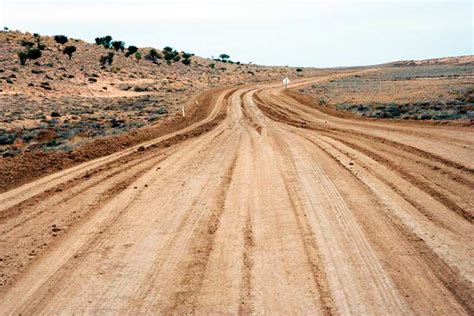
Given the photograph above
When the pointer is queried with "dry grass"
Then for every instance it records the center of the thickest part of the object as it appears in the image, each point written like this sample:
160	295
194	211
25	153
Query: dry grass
93	101
438	92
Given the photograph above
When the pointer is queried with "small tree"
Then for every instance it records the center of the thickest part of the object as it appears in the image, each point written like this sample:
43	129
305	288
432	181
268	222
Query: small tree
104	41
131	50
23	56
224	57
153	56
34	53
138	56
187	55
69	50
107	40
186	58
61	40
118	45
170	54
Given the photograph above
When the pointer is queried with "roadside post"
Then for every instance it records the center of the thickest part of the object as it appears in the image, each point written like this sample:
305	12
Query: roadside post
286	81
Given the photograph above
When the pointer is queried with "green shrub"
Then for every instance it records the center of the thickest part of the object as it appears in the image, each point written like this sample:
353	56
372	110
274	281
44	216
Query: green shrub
33	53
187	55
69	50
107	59
186	58
153	56
7	138
224	57
23	56
138	56
61	39
104	41
169	54
131	50
118	45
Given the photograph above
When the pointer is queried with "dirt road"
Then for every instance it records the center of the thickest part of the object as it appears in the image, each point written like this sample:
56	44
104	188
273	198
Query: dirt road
266	206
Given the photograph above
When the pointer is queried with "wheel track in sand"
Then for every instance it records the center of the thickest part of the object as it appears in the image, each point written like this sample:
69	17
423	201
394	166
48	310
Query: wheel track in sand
257	209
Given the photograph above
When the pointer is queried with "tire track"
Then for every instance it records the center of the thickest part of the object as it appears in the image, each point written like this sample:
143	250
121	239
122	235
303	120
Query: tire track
310	242
448	275
184	300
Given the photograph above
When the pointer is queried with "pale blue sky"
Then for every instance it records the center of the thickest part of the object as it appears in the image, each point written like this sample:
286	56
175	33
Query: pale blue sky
316	33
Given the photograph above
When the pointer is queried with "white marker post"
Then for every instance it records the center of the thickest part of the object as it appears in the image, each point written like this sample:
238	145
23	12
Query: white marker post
286	81
182	109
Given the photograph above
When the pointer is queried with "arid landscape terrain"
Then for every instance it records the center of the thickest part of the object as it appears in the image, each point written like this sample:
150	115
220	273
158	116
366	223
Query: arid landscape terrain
350	192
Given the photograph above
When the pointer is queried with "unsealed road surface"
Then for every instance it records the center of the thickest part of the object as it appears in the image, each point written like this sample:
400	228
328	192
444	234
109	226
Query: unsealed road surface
268	205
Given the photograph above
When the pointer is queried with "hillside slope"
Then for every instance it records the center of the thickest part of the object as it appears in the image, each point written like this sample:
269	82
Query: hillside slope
56	112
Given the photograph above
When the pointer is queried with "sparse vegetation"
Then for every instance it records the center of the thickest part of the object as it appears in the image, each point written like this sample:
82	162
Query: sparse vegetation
59	118
153	56
23	56
69	50
170	54
104	41
138	56
131	50
186	58
118	45
224	57
61	40
32	53
107	59
377	95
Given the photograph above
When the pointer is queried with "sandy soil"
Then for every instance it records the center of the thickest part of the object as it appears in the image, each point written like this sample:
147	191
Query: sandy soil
56	104
263	205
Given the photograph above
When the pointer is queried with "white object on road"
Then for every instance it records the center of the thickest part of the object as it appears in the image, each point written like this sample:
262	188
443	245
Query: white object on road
286	81
182	109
